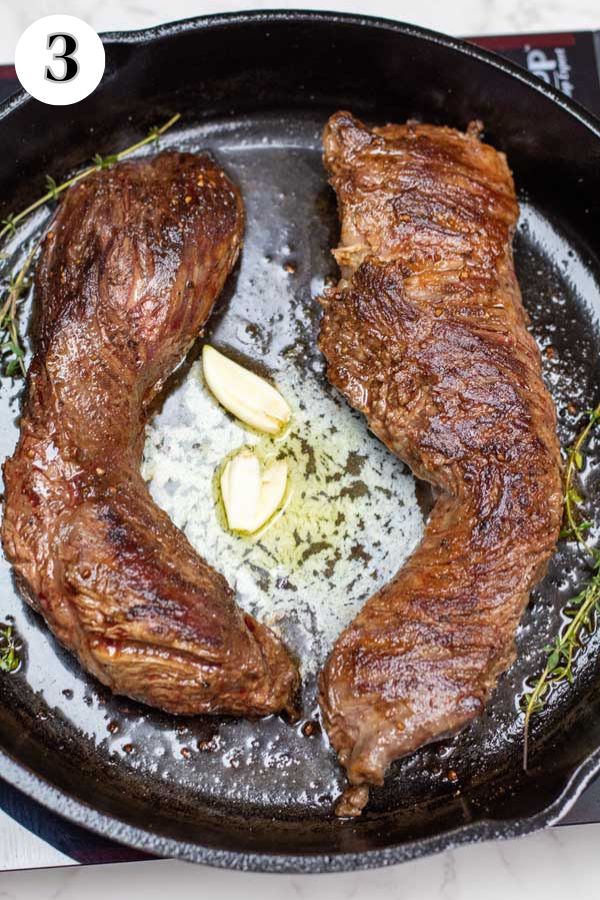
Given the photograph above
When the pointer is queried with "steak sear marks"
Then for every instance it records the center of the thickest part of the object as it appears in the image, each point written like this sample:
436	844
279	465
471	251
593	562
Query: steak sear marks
131	267
426	335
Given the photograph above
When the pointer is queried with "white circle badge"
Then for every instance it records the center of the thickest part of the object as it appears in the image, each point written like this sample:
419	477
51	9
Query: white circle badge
59	60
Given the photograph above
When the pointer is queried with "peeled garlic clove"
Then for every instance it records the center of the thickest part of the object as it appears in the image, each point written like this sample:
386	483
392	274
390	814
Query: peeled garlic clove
241	485
272	492
250	497
249	397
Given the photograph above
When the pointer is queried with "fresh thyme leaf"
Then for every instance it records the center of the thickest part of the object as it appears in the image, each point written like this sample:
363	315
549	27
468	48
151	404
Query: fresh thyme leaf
9	656
51	187
575	498
12	362
580	611
9	225
105	162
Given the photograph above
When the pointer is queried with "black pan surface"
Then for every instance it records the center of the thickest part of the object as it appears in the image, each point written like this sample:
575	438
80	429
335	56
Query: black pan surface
256	89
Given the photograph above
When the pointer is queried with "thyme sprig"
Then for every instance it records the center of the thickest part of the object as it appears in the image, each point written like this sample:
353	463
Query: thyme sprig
11	348
54	190
9	650
580	611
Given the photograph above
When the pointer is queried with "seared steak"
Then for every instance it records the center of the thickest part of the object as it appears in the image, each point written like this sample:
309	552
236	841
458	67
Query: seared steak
426	335
130	269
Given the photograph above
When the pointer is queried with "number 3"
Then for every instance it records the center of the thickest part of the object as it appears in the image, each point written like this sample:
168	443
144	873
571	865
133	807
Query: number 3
71	65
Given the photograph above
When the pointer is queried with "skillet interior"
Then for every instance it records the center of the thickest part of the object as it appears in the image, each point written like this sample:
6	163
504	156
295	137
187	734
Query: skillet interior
257	89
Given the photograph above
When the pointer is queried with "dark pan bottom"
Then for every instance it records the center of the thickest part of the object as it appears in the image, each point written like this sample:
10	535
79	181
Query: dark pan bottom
177	771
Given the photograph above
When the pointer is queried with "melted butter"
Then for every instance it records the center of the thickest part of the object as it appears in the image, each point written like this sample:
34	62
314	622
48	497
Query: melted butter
348	521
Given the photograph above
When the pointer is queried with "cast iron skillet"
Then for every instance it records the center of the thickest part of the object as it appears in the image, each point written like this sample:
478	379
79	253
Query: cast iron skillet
257	88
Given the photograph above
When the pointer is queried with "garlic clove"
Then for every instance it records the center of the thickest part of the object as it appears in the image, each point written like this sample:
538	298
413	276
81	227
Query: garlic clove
272	492
250	497
244	394
240	488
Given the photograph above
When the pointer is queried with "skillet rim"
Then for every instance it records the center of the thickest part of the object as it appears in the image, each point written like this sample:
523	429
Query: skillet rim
80	813
460	45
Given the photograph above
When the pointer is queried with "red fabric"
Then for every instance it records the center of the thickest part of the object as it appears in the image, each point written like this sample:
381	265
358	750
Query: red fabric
516	41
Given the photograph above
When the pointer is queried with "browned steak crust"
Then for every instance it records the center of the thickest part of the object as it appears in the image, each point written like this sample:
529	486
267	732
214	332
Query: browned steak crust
426	335
130	269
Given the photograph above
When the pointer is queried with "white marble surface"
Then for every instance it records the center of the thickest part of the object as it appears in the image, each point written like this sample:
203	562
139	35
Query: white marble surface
562	861
452	16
